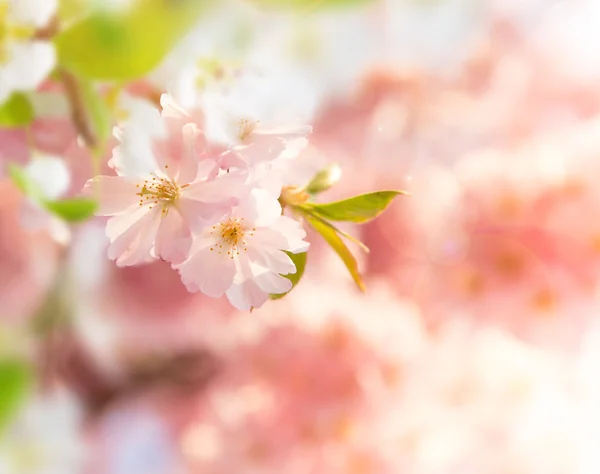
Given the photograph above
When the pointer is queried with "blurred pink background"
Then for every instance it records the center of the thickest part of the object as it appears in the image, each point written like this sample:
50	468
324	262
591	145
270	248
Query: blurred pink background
475	349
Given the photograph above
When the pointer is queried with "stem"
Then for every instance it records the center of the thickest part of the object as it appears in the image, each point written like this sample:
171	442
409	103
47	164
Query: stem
79	115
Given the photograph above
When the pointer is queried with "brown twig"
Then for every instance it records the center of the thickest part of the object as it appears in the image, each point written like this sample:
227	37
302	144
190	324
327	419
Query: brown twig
79	113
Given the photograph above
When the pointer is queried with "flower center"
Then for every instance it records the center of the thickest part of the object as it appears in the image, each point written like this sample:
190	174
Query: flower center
10	32
246	127
231	235
159	191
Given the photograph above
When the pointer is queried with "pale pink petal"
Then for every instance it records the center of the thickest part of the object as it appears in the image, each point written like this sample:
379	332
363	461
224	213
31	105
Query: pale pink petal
287	133
224	189
247	295
263	148
119	223
272	283
294	234
199	214
173	239
134	245
188	166
207	270
115	194
171	109
207	169
272	258
261	208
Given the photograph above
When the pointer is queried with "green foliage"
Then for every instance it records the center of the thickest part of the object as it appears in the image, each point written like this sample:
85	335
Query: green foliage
16	380
324	179
299	260
337	244
359	209
72	210
124	46
17	111
25	184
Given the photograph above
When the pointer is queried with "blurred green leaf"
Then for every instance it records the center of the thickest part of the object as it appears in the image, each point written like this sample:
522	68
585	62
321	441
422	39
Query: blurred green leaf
125	46
299	260
358	209
72	210
337	244
16	380
324	179
17	111
20	178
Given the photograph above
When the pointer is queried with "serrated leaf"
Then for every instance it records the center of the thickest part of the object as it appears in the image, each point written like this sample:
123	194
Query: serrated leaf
17	111
338	245
324	179
299	260
126	45
72	210
15	383
358	209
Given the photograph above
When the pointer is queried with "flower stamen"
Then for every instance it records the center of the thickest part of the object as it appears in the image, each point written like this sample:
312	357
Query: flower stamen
159	191
232	234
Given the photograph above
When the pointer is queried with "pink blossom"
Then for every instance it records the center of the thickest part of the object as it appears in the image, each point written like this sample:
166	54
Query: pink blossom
154	212
242	255
29	260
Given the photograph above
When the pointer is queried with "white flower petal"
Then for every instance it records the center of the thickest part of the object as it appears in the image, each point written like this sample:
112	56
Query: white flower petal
29	64
207	270
247	295
134	246
50	175
173	239
115	194
261	208
33	12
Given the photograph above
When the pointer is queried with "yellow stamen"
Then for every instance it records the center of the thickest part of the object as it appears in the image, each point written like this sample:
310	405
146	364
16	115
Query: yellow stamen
159	191
232	233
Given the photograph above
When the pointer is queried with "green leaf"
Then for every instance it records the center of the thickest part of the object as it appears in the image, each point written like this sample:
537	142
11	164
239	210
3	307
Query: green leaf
16	381
72	210
324	179
17	111
299	260
25	184
126	45
358	209
337	244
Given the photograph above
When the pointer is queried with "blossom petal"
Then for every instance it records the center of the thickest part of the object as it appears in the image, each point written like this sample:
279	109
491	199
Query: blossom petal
272	258
50	174
207	271
247	295
134	245
115	194
188	165
171	109
261	208
28	66
223	189
173	239
294	234
273	283
33	12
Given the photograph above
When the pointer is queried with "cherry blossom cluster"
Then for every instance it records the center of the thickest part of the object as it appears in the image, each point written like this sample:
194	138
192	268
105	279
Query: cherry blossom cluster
202	206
